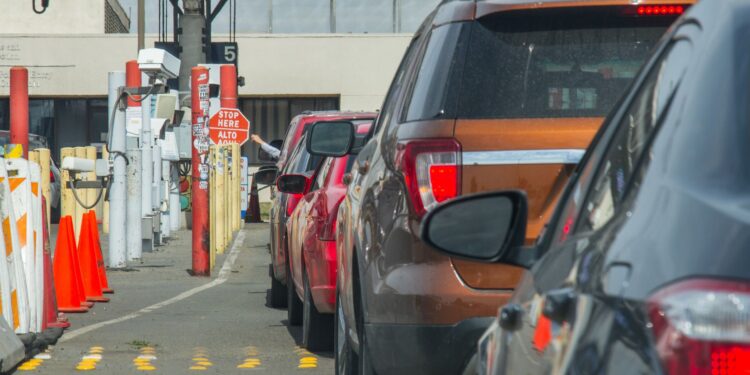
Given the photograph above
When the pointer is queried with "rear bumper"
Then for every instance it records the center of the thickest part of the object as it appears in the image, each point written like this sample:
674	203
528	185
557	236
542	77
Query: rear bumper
424	349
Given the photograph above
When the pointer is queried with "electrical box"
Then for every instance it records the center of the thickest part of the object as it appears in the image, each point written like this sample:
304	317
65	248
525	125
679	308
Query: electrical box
184	136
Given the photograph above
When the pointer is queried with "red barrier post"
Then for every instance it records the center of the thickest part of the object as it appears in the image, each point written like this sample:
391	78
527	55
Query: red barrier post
201	235
19	108
133	80
228	94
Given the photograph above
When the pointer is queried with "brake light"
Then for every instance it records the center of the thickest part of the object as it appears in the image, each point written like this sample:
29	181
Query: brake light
431	170
660	10
51	177
702	327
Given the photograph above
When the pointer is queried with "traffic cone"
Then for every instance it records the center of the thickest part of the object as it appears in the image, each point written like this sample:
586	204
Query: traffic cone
98	253
65	267
52	318
87	260
70	234
253	214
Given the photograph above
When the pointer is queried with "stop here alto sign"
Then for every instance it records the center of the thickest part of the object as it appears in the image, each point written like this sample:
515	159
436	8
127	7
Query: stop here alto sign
228	125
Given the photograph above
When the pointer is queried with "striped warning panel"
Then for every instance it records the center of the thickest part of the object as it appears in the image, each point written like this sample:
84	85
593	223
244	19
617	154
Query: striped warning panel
13	288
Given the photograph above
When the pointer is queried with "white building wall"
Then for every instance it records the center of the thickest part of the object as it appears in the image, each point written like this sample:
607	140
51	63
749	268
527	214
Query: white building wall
61	17
359	68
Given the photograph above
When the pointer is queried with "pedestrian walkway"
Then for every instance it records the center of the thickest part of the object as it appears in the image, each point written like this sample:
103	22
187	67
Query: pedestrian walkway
163	320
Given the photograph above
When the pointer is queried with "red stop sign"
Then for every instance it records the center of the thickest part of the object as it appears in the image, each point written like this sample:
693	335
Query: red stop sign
228	125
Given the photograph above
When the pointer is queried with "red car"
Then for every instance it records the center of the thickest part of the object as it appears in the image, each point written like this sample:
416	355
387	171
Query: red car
294	159
311	230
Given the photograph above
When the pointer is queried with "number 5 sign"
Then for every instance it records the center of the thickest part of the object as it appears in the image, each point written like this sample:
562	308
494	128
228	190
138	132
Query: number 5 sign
224	53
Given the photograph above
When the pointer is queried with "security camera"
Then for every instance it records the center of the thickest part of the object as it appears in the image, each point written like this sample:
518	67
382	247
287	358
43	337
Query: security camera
158	64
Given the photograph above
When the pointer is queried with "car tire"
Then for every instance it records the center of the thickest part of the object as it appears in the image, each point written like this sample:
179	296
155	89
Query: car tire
293	304
317	328
345	357
364	361
276	296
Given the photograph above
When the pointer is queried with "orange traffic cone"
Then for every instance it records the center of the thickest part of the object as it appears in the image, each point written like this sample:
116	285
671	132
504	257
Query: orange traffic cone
77	269
65	270
52	318
97	246
87	261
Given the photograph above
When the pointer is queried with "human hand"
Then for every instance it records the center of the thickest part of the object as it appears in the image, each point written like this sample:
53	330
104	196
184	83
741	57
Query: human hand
255	138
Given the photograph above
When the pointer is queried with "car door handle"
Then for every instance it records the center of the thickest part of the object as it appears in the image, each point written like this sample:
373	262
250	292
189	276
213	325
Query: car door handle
557	304
511	316
364	167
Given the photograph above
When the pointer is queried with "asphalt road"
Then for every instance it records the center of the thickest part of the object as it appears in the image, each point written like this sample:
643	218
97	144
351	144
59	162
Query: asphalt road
162	320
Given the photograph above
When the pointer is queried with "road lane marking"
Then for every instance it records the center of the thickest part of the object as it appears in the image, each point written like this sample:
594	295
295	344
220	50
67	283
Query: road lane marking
143	361
200	360
90	359
251	359
306	359
226	270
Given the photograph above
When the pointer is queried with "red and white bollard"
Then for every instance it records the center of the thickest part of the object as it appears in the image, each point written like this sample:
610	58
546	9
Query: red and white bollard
200	168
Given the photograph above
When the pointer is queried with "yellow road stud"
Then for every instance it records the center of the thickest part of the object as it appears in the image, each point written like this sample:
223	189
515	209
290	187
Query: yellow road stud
308	360
198	368
85	367
308	365
146	368
247	365
202	358
204	363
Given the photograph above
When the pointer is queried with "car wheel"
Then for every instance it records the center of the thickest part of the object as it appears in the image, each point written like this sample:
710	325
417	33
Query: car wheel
317	328
294	305
276	296
363	360
346	358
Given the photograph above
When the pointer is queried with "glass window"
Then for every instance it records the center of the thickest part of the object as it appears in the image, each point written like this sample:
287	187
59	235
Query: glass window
540	64
412	13
626	153
428	95
364	16
295	16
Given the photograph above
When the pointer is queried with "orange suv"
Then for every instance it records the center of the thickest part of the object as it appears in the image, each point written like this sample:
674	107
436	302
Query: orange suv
494	94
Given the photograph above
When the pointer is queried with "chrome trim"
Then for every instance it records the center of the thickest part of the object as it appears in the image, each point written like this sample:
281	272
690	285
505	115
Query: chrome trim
515	157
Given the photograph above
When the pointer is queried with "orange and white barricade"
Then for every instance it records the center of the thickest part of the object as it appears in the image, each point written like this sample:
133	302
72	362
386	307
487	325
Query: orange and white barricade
14	286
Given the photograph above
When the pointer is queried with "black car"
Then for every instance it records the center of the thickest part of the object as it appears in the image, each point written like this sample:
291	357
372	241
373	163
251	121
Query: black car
643	269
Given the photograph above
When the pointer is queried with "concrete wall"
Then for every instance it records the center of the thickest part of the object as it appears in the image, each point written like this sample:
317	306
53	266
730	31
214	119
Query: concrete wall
61	17
356	67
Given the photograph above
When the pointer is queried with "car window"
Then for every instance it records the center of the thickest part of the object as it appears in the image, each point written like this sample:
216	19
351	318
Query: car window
533	64
389	105
619	168
285	148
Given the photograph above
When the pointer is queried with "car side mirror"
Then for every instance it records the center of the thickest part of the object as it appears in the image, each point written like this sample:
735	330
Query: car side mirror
264	156
266	175
293	183
488	227
330	138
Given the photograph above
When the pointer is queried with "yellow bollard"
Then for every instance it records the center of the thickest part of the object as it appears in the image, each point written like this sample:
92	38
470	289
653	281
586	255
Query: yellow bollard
44	163
237	168
220	206
80	152
212	202
67	202
104	204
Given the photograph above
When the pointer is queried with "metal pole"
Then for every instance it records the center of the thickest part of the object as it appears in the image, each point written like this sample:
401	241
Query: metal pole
133	119
228	88
141	25
19	108
192	23
147	155
201	239
175	209
117	150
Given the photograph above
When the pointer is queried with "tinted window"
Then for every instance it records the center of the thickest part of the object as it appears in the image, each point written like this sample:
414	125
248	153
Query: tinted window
622	165
531	64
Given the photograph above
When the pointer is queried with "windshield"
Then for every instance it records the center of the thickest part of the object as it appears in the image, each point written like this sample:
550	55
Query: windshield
531	64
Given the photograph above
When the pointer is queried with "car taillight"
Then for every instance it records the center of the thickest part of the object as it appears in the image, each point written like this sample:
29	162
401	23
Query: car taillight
431	170
702	327
51	177
660	10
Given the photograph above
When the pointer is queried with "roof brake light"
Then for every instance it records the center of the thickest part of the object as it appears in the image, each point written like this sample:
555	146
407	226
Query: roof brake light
660	10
